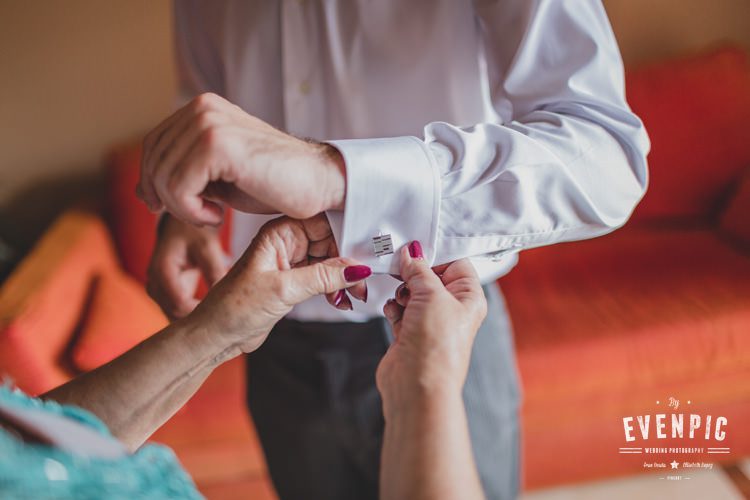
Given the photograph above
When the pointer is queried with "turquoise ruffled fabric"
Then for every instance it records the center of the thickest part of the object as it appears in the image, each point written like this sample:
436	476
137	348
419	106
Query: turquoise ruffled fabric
36	471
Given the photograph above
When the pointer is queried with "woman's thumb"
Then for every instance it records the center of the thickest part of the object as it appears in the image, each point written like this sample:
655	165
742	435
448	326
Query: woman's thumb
414	270
324	277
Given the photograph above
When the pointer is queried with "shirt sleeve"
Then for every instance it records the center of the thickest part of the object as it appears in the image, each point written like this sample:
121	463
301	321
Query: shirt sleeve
564	159
199	65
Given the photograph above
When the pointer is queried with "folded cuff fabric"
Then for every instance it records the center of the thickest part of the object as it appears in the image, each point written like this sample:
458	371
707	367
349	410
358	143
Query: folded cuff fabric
393	189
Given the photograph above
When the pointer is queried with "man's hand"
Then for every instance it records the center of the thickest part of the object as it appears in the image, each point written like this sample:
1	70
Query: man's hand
211	152
434	322
183	253
277	271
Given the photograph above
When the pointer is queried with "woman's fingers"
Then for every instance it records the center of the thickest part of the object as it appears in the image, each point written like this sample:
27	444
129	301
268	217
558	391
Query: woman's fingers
323	245
329	276
402	295
461	280
415	271
460	269
359	291
393	313
340	300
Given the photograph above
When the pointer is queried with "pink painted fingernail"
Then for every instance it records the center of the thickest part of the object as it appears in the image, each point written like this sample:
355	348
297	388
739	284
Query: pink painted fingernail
415	250
338	298
346	304
356	273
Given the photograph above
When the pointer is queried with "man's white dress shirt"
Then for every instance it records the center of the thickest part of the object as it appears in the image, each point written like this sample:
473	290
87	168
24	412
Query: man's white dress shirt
479	128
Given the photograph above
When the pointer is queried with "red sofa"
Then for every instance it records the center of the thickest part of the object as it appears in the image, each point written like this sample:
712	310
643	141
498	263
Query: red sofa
604	328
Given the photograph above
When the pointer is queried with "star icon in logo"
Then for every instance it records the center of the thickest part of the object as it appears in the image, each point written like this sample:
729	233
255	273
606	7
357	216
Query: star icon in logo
674	464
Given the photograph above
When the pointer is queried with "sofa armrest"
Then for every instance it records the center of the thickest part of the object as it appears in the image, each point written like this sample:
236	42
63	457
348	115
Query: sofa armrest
41	303
735	219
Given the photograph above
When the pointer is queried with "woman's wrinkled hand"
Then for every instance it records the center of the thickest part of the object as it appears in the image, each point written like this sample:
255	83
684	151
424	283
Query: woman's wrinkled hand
277	271
434	318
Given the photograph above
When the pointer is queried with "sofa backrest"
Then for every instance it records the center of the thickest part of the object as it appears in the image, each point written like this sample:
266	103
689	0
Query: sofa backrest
697	113
133	226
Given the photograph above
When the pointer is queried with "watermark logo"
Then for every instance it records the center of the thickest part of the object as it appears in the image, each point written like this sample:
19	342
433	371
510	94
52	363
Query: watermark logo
688	432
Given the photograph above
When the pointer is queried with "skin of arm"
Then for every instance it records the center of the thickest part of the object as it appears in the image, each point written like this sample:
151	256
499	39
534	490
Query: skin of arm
140	390
209	153
427	449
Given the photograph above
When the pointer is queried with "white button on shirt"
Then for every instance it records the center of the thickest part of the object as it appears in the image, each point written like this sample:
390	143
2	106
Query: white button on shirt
480	128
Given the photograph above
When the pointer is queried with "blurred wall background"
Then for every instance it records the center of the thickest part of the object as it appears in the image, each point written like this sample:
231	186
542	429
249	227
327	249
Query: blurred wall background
77	76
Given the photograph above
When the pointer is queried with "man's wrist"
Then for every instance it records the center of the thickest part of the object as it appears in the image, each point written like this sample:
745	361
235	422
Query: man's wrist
335	178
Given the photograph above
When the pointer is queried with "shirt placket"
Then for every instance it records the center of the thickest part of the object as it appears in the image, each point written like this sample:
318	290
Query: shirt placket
300	34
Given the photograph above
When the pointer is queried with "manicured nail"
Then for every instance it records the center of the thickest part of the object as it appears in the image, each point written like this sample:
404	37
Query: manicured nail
356	273
415	250
403	292
346	304
338	298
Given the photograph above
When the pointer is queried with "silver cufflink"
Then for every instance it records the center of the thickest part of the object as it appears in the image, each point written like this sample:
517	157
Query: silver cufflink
382	245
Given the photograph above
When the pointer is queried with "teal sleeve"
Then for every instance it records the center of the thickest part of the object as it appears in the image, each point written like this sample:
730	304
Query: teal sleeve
29	470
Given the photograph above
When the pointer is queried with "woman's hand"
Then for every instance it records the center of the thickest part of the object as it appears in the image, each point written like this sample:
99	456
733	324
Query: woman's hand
283	266
138	391
426	446
434	319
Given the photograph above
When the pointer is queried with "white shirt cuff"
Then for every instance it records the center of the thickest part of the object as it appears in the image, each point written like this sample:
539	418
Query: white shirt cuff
392	188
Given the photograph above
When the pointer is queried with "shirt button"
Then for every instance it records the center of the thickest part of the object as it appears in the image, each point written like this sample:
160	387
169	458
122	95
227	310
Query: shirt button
304	87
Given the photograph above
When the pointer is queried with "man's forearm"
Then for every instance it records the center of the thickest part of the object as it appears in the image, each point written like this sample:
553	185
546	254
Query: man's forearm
140	390
427	452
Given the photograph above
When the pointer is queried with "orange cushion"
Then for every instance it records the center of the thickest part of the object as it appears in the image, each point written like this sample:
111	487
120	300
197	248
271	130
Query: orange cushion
119	316
696	111
735	220
42	301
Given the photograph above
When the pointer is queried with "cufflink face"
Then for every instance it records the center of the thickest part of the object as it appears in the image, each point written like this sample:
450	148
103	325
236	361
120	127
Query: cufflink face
382	245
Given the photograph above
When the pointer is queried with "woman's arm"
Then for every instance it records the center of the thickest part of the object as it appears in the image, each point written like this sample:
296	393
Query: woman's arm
427	450
137	392
140	390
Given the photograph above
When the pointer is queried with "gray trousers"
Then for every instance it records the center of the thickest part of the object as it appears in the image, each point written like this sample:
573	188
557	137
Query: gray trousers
312	395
